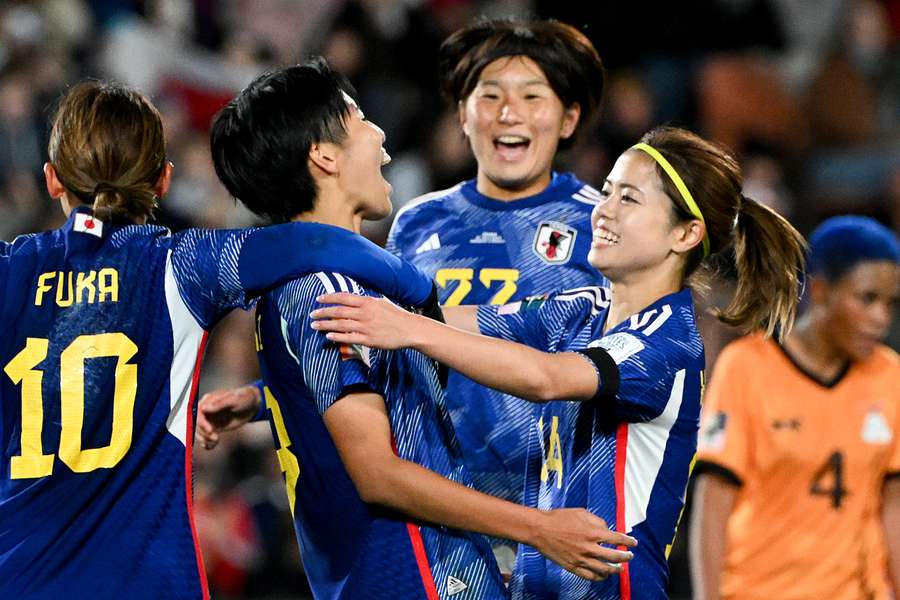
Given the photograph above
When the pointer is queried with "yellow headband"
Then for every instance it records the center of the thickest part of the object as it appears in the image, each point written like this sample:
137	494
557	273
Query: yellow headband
679	183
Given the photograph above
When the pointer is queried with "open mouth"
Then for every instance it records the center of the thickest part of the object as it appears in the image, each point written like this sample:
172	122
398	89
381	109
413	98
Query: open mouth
605	237
385	157
511	146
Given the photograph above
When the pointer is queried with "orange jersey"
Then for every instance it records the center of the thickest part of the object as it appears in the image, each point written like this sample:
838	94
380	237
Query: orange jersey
811	460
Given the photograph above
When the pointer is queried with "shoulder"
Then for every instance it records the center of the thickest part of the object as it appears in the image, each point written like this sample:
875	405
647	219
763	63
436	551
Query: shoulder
595	297
884	362
752	349
426	203
297	297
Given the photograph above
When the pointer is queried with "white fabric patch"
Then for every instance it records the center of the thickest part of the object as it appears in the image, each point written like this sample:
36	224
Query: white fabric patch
88	224
509	309
876	429
619	345
712	432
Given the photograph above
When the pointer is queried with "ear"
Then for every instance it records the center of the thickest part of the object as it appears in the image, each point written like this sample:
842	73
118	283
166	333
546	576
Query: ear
324	155
164	181
819	290
688	235
461	113
54	187
570	121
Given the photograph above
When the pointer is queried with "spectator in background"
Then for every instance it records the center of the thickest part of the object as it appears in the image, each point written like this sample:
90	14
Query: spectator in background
798	493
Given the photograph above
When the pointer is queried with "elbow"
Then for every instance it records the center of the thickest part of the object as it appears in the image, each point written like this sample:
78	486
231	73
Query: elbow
544	388
375	486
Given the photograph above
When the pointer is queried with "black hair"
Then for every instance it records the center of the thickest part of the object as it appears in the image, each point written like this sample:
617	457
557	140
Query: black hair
565	55
260	141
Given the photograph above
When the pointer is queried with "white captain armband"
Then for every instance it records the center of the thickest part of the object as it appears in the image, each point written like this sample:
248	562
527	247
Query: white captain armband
607	372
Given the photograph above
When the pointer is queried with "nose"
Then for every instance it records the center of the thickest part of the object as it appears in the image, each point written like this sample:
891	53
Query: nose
510	113
881	313
605	209
379	130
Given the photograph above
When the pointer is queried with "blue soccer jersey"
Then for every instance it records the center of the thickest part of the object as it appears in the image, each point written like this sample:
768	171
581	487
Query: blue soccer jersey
105	326
485	251
351	549
627	460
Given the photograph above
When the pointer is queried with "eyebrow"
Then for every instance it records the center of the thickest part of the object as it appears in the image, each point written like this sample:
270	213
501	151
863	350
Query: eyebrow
624	185
523	84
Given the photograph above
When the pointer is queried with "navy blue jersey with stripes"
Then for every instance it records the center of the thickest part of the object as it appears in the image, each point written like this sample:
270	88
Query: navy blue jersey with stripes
105	325
628	459
350	549
485	251
104	329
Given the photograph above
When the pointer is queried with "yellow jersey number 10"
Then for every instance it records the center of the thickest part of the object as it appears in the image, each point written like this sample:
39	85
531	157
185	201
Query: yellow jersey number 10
22	369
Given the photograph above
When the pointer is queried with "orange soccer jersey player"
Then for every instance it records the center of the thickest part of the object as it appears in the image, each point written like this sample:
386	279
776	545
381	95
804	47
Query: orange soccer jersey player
799	456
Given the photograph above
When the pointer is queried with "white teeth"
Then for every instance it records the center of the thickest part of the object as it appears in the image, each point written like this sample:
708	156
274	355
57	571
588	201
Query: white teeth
385	157
606	236
512	139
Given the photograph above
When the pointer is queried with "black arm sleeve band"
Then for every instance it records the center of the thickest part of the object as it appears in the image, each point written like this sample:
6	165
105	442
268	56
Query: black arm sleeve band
607	372
704	467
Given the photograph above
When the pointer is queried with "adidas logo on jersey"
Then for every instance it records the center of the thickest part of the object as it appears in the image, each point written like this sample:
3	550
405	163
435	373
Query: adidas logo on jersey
455	586
488	237
876	429
432	243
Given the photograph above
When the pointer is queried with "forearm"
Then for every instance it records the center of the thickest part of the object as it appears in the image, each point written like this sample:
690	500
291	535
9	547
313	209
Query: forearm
506	366
709	519
275	254
425	495
891	523
462	317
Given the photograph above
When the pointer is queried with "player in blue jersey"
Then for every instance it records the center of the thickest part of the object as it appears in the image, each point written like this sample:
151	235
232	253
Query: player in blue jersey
372	468
518	228
105	321
624	451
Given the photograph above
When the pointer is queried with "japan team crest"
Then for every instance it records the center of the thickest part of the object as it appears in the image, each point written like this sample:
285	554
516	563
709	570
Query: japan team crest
554	242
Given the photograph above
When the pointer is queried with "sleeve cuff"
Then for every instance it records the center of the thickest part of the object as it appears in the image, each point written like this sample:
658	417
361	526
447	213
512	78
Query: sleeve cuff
711	468
262	413
607	372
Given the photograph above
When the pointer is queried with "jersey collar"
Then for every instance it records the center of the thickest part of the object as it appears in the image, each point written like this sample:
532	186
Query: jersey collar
561	185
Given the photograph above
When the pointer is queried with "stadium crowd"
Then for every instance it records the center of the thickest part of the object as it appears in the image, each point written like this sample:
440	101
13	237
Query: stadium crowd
807	94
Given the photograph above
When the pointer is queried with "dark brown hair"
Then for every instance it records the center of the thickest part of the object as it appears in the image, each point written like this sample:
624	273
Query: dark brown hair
108	149
769	254
565	55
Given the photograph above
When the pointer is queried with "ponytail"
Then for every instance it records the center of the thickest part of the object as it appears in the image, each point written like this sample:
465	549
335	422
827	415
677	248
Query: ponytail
769	258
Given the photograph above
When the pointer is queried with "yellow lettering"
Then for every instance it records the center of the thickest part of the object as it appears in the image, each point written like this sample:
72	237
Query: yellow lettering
509	277
84	460
289	464
43	286
65	296
85	283
31	462
257	334
463	276
108	283
553	461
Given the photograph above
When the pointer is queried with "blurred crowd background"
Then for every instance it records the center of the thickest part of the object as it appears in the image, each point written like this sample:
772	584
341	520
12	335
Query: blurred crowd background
807	93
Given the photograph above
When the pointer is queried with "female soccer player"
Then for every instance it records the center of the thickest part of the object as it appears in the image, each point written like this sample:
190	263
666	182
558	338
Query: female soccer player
518	228
624	451
802	438
380	498
105	321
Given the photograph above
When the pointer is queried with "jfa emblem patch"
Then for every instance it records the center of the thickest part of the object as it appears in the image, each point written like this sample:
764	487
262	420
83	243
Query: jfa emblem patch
554	242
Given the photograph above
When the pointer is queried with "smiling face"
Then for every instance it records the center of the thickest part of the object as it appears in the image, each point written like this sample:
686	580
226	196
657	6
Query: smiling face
514	121
634	226
859	307
360	158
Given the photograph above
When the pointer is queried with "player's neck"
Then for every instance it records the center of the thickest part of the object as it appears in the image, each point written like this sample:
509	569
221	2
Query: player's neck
331	211
809	346
489	188
634	292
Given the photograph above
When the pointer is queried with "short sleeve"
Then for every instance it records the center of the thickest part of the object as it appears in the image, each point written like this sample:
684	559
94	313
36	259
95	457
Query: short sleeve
540	321
648	368
205	266
329	370
725	444
893	469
